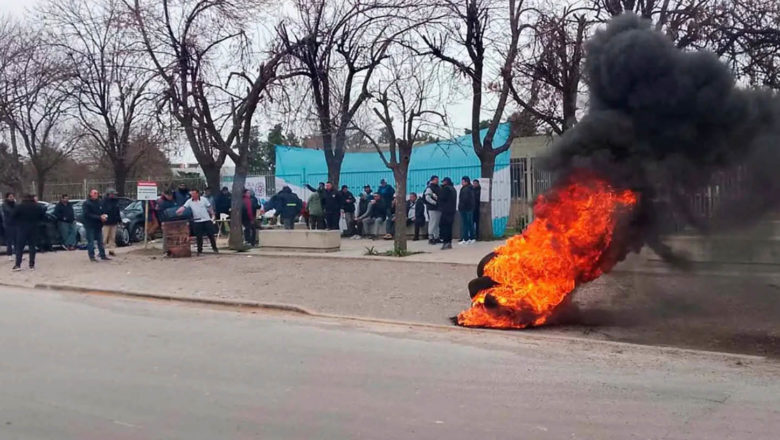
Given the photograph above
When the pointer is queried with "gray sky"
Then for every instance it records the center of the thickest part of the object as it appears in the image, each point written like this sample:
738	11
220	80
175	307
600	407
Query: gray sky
15	7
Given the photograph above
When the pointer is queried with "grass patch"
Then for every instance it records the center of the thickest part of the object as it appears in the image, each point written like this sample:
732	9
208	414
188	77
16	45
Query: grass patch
371	251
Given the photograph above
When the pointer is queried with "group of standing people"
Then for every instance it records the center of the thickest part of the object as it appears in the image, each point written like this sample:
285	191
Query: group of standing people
438	205
325	205
22	225
442	203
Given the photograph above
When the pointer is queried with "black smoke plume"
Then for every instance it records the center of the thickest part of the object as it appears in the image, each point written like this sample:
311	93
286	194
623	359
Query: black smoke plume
662	121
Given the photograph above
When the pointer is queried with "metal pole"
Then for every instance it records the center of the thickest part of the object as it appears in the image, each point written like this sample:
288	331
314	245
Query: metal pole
146	223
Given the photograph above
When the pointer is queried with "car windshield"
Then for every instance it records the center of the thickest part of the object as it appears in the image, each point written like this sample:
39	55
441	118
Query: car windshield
135	206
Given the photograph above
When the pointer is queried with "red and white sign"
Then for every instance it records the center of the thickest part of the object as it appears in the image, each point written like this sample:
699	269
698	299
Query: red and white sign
146	191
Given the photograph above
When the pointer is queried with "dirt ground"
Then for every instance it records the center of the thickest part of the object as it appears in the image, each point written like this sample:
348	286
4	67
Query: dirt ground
712	312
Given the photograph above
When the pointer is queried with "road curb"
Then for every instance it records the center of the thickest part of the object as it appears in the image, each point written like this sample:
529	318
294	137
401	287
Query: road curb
364	319
178	298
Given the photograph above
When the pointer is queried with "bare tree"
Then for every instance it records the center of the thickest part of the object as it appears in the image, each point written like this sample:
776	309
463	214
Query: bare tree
108	85
214	105
546	82
35	107
690	24
338	47
752	26
473	27
408	109
11	52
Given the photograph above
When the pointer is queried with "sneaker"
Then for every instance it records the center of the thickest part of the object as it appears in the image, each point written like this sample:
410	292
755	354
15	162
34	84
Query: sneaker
462	242
17	269
446	246
93	259
32	268
472	241
11	258
105	258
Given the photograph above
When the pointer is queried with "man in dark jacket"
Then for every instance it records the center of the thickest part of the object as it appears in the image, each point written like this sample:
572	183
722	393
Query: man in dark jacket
113	218
9	224
222	202
93	225
331	204
164	204
387	192
375	213
63	212
475	185
447	203
466	209
288	205
181	195
27	217
348	205
415	209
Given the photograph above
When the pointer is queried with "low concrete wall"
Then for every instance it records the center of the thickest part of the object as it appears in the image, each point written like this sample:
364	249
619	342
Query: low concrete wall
300	240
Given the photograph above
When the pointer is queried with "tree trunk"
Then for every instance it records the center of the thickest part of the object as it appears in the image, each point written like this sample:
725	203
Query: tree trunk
236	241
120	178
211	171
488	167
40	183
15	167
399	173
334	160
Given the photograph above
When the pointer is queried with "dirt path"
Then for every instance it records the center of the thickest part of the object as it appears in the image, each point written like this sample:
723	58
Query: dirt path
725	313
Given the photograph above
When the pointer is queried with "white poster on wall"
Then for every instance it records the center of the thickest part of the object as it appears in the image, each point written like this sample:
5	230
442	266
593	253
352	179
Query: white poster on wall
484	183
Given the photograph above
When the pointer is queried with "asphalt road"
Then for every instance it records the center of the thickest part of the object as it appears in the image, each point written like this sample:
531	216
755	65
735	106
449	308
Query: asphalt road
88	367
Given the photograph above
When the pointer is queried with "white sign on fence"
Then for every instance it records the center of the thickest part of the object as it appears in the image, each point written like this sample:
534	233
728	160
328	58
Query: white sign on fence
146	191
484	184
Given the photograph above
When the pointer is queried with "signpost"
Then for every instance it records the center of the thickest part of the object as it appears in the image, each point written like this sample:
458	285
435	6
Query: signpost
146	191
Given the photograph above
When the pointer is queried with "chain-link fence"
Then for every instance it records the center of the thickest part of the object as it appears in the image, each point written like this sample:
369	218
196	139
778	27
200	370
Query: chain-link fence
52	191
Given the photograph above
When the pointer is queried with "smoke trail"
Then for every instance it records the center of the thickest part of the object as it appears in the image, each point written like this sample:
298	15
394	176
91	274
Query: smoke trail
661	121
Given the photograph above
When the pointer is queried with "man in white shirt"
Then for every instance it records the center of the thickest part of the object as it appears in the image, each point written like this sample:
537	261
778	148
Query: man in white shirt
202	214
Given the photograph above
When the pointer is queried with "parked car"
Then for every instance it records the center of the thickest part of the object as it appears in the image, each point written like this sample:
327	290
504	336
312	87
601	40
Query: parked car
134	214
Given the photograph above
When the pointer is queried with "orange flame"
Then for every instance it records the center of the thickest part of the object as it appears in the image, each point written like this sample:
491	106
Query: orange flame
564	246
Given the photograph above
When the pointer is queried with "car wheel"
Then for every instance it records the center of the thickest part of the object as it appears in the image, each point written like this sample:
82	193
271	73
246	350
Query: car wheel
122	237
137	233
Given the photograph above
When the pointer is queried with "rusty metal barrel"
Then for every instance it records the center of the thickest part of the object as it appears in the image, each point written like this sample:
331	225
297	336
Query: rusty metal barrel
176	239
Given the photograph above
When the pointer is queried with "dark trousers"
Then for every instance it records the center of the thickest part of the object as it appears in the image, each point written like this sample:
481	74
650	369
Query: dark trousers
445	227
29	238
316	222
204	228
332	220
10	240
95	235
250	233
289	223
417	227
476	224
466	225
